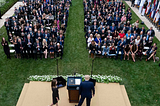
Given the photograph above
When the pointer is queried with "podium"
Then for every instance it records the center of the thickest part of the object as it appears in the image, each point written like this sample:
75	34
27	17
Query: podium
73	84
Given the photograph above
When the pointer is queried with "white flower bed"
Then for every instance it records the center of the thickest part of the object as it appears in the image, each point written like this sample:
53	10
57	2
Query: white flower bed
98	78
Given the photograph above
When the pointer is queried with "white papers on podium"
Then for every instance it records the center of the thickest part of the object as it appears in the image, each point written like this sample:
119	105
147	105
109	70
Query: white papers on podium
77	81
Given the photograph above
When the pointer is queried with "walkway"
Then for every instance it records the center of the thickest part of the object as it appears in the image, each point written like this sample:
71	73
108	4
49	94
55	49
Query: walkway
9	13
145	20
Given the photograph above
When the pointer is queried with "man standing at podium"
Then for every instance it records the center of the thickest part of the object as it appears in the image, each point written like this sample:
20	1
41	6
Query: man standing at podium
85	90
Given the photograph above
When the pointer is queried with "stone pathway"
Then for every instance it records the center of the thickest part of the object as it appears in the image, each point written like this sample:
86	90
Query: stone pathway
145	20
9	13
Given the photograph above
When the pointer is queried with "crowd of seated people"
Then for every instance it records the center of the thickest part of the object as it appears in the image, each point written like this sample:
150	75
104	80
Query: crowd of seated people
107	25
38	28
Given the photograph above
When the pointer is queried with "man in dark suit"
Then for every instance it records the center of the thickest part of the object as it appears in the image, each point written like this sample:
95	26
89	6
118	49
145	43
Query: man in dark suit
38	49
59	50
86	90
21	45
152	33
143	30
7	25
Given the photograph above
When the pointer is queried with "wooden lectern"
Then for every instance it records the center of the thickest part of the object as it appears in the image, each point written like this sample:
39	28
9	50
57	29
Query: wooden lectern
73	84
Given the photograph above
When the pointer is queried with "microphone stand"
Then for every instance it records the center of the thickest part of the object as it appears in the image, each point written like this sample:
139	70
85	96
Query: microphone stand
57	66
92	67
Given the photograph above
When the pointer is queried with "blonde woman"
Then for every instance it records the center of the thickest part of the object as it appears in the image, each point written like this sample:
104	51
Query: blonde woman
90	39
137	41
97	39
45	47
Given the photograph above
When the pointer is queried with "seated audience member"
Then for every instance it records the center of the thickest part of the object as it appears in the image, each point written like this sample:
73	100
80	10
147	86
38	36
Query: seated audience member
104	42
115	34
140	51
123	19
110	41
112	51
137	29
46	36
17	49
51	50
38	49
121	34
90	39
60	39
129	15
29	46
128	34
92	48
149	42
97	39
99	48
137	41
105	51
152	33
134	49
45	47
136	23
117	39
59	50
112	28
132	40
143	30
141	35
120	46
143	41
135	34
151	52
21	47
127	51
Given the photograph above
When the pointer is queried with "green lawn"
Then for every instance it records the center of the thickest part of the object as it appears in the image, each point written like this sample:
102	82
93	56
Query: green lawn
141	79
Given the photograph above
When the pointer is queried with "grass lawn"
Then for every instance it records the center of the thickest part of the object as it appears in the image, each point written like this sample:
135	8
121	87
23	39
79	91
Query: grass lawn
141	79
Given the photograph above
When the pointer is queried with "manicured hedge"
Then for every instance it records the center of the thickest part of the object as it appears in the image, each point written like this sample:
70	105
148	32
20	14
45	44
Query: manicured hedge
7	6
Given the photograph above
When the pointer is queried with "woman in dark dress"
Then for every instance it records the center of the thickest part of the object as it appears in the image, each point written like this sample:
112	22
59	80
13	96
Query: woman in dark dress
51	50
55	94
126	51
6	48
140	50
92	48
17	49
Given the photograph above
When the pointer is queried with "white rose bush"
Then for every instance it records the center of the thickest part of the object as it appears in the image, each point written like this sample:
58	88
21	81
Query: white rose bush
98	78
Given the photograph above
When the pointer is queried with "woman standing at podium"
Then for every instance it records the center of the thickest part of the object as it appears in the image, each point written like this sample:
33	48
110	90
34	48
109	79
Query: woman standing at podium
55	94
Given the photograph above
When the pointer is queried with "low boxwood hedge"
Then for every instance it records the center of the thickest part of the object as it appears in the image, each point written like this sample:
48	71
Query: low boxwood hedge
7	6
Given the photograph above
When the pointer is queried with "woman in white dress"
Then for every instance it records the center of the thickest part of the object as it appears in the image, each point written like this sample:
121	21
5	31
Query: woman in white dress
137	41
90	39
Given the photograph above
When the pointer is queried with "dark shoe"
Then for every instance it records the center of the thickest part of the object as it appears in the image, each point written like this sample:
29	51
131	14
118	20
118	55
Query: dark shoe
76	105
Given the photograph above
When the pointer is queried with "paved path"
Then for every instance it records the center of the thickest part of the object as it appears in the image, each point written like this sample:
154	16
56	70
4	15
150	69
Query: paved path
145	20
9	13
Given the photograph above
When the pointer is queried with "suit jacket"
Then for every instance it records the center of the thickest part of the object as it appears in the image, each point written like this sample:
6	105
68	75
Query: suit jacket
21	45
144	31
7	26
31	45
58	40
86	88
152	32
137	30
35	46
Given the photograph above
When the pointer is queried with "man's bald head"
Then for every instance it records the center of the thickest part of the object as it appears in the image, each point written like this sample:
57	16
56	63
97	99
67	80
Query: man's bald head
87	77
